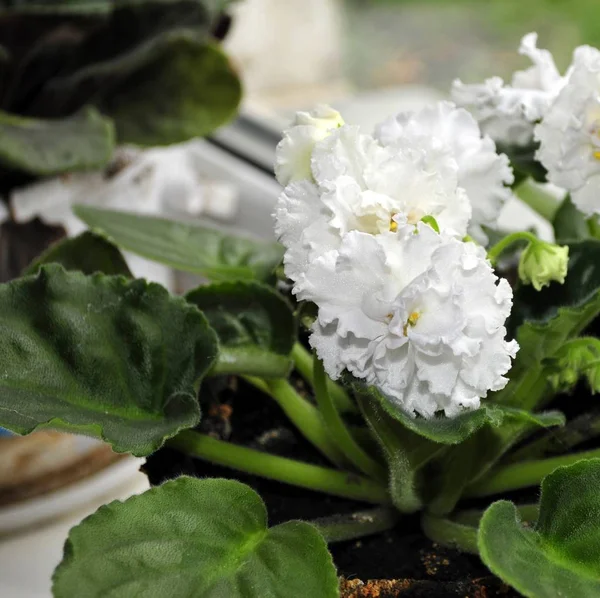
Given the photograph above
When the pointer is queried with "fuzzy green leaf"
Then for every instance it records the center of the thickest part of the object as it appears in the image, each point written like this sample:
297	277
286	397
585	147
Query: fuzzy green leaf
197	538
200	91
49	147
255	326
205	251
100	355
88	253
461	465
560	556
441	429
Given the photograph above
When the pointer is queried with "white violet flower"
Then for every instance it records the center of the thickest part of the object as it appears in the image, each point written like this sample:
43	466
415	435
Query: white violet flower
419	315
293	154
569	135
358	185
508	113
482	172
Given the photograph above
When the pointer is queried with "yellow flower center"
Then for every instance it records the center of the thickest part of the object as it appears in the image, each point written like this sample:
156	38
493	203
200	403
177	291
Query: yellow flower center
413	318
393	224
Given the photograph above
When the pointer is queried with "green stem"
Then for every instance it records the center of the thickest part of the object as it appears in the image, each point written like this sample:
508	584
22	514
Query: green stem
339	528
242	363
495	252
281	469
450	533
338	430
545	204
523	475
303	360
302	414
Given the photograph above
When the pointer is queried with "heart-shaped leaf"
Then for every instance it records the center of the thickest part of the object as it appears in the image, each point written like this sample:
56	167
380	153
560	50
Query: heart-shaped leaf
100	355
560	556
88	253
197	538
204	251
48	147
255	326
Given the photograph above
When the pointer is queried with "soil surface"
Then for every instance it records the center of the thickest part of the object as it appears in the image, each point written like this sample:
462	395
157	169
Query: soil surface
401	562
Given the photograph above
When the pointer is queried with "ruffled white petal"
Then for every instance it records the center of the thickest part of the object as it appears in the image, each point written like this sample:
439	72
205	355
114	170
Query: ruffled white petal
508	113
420	316
443	129
569	135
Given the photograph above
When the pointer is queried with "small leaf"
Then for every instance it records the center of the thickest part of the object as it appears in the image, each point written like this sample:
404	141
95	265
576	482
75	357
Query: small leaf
100	355
255	326
204	251
87	253
439	428
49	147
560	556
197	538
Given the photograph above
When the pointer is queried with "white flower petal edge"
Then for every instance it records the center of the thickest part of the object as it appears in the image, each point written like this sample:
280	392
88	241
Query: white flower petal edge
416	314
293	153
508	113
482	172
569	135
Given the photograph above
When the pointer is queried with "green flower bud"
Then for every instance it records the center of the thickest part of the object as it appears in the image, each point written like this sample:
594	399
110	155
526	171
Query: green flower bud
542	263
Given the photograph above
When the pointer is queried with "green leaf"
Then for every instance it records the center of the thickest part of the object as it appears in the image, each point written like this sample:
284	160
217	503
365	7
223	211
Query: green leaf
49	147
461	465
255	326
204	251
545	320
100	355
560	556
197	538
406	454
441	429
569	223
199	91
88	253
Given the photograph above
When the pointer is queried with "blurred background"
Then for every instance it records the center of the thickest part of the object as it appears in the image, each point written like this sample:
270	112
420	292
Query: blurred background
295	52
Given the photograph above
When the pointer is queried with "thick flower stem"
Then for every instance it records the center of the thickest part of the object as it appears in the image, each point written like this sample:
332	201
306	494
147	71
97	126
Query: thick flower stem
339	528
450	533
338	430
523	475
499	248
303	361
302	414
545	204
281	469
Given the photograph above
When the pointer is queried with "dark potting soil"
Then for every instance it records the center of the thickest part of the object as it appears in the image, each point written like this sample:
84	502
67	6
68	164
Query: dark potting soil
237	412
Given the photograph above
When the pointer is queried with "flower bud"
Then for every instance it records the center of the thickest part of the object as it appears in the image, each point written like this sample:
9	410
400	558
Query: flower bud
542	263
294	151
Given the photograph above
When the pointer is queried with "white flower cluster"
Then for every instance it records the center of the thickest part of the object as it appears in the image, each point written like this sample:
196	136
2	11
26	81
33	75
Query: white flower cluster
418	313
562	113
